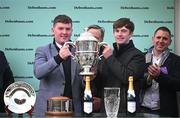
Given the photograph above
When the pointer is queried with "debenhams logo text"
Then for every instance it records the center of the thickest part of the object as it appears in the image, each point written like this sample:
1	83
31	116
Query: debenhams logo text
156	21
19	49
133	7
4	7
22	77
87	7
30	62
41	7
19	21
39	35
170	7
105	21
141	35
4	35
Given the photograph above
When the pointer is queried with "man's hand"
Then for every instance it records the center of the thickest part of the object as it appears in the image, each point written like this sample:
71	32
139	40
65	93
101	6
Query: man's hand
154	71
96	104
107	52
64	52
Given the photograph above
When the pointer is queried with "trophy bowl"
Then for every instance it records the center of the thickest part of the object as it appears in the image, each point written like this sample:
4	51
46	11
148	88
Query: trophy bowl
87	51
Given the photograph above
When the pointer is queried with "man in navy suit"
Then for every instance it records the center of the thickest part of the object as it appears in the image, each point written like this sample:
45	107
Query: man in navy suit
98	33
57	72
6	78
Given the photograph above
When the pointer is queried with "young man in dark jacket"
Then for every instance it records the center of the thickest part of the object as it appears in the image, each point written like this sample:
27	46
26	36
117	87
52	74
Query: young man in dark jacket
120	63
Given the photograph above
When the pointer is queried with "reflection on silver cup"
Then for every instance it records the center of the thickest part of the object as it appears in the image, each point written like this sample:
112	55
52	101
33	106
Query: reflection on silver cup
86	54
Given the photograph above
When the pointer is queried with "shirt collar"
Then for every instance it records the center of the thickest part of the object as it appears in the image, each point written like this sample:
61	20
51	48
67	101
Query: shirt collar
159	55
58	45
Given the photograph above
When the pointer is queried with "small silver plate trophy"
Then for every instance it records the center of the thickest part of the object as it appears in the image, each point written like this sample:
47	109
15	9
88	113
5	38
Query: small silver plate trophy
19	98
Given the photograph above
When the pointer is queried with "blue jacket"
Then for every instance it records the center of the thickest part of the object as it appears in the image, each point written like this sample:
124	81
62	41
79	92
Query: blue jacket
52	79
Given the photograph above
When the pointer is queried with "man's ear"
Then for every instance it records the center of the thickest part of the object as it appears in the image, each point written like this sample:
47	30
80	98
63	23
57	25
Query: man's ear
52	30
131	34
152	39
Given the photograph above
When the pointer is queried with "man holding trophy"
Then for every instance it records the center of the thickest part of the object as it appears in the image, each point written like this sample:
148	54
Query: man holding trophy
98	33
121	62
87	54
57	66
57	72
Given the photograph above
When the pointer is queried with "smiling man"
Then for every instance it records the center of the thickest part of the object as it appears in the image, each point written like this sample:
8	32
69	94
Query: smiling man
162	77
118	64
57	72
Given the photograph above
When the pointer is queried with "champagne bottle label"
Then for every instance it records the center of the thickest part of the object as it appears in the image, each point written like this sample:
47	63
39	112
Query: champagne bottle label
131	106
88	107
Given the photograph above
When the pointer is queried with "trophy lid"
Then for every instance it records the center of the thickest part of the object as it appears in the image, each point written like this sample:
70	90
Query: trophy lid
86	36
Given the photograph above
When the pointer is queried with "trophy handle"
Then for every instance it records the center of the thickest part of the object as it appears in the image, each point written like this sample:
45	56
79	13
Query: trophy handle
72	44
101	44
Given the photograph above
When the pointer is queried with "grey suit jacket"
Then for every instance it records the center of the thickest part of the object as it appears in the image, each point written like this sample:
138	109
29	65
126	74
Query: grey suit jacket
52	79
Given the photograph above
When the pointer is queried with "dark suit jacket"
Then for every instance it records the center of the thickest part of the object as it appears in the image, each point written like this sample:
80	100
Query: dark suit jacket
52	79
6	78
169	84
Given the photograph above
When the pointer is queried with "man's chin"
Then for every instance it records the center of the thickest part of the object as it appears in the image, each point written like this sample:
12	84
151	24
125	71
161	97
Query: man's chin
160	49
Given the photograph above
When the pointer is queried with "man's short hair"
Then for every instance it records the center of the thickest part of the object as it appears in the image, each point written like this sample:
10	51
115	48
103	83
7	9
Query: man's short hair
163	28
124	22
97	27
62	19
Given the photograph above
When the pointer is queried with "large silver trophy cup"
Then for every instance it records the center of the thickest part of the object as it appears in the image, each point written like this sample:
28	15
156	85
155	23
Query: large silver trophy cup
87	52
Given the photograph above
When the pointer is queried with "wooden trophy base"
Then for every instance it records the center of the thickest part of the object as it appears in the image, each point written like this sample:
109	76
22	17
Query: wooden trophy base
59	106
48	113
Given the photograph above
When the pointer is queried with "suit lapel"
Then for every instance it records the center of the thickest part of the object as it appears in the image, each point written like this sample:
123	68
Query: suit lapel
54	53
73	67
73	70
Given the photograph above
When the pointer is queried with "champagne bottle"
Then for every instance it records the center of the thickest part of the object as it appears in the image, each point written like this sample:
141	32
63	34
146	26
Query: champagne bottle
131	98
88	105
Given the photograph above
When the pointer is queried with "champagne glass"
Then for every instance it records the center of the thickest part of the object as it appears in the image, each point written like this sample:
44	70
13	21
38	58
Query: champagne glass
111	101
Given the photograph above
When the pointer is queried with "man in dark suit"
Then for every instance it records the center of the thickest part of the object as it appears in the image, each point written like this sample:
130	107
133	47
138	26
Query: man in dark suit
6	78
162	77
98	33
57	72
